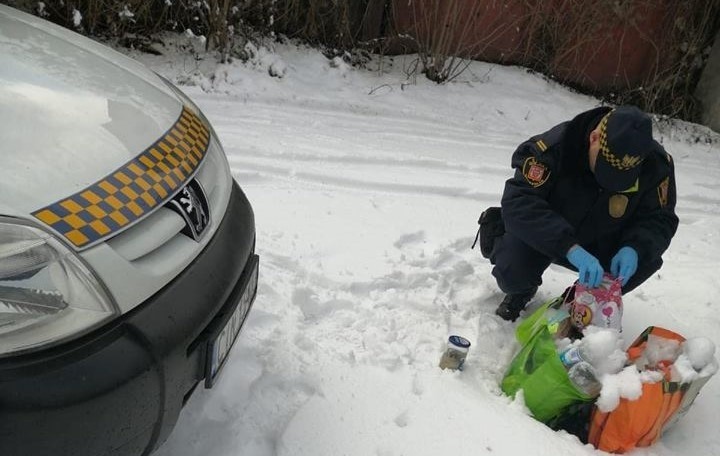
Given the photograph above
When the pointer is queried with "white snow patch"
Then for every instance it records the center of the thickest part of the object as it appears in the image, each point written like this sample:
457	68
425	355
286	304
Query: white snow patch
345	168
77	18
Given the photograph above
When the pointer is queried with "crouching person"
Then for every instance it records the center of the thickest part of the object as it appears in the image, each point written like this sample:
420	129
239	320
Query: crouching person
593	194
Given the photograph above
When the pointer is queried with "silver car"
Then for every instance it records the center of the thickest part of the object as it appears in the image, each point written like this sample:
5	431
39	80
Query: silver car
127	263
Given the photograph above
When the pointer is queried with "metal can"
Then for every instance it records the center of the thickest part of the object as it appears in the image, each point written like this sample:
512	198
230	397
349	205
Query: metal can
455	353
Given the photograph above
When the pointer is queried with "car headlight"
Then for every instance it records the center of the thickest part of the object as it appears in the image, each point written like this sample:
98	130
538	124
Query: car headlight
47	294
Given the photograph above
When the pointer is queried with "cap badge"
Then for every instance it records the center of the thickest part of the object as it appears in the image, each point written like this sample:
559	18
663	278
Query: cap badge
630	162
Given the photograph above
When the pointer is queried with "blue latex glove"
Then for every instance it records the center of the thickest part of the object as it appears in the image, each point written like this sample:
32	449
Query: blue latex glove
589	268
624	264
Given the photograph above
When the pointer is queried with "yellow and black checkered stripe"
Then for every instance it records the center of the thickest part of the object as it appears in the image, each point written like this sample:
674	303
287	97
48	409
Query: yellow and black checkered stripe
135	189
623	164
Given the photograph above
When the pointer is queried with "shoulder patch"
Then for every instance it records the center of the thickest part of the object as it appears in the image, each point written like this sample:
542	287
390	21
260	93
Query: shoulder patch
535	173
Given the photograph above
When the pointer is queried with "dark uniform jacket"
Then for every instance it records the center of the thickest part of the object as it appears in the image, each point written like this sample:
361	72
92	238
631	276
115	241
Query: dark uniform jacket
554	201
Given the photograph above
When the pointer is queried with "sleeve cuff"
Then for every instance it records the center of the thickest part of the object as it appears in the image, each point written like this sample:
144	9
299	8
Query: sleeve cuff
564	247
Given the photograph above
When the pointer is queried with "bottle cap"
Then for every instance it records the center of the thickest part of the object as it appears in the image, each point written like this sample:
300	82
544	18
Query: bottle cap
459	342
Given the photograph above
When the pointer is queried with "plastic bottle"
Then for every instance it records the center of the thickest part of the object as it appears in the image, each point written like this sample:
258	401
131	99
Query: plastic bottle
455	353
583	376
573	355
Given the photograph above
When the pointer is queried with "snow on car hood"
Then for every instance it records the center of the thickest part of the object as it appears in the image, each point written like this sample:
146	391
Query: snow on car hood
71	111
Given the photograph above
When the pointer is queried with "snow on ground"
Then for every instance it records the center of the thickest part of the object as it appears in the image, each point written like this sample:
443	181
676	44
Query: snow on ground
366	187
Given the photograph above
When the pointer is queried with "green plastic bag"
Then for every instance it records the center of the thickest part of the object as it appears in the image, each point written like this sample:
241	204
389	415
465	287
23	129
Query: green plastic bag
537	369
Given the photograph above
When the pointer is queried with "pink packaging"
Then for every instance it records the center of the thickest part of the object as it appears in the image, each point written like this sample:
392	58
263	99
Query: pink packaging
601	306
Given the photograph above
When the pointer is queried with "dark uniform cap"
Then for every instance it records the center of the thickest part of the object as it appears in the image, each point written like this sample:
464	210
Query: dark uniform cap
625	140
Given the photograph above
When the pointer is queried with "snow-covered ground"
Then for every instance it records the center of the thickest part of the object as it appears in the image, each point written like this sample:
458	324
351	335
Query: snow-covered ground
366	187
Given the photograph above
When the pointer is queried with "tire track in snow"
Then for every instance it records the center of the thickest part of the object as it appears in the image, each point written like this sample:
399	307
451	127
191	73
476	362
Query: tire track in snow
343	113
386	187
367	123
419	163
322	179
306	152
475	143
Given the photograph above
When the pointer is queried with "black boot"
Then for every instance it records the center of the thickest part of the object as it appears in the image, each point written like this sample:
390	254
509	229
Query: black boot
510	307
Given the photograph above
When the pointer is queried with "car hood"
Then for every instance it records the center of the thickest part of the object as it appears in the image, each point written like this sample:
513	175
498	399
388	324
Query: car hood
71	112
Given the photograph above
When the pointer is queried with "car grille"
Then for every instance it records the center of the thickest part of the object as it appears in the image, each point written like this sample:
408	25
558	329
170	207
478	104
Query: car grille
152	252
158	229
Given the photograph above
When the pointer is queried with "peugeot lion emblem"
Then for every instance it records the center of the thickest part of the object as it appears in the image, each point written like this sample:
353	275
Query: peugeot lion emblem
192	205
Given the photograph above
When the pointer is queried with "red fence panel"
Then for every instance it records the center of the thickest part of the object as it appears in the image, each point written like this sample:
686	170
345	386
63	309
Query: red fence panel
491	30
599	45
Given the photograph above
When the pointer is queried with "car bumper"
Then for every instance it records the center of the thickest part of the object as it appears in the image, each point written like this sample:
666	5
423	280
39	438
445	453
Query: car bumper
119	390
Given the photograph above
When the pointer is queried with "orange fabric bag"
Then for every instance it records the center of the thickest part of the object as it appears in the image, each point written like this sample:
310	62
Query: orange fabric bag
640	423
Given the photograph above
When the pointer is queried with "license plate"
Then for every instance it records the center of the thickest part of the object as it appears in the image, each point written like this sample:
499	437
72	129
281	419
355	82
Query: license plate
220	345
